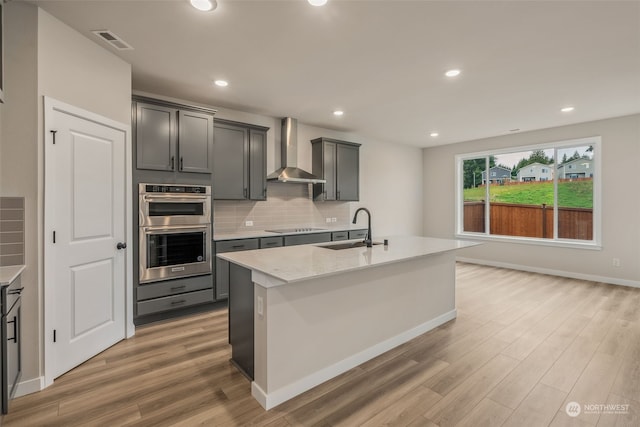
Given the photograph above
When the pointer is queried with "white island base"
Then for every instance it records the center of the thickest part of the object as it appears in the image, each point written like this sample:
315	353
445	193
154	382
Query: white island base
308	330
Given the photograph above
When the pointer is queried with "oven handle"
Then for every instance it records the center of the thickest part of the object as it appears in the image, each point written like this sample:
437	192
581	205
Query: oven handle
176	229
175	199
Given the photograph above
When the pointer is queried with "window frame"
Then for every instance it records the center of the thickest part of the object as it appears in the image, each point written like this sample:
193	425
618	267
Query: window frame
595	244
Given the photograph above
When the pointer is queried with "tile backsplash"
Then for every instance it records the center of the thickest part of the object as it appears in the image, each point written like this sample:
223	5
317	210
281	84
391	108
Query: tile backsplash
11	231
287	205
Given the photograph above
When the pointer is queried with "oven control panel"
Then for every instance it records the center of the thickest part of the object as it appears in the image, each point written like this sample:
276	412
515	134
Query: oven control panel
185	189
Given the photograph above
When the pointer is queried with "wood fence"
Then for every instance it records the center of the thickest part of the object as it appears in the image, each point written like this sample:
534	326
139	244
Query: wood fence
529	220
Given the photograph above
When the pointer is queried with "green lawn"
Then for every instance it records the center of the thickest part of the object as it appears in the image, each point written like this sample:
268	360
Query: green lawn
578	194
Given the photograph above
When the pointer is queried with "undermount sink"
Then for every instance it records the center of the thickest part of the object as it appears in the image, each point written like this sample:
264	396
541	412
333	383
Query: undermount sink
339	246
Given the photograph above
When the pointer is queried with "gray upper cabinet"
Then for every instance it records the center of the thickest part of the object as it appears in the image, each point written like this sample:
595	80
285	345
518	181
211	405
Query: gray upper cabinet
173	137
240	161
155	137
195	142
338	162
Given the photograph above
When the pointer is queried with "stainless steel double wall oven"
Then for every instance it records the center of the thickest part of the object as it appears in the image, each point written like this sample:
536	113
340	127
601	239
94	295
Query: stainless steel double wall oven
175	231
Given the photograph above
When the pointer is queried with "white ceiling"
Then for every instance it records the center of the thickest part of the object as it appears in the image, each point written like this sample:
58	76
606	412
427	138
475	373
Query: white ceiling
383	62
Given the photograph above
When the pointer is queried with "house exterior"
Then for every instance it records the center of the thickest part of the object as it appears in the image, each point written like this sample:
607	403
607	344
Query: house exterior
578	168
497	175
535	172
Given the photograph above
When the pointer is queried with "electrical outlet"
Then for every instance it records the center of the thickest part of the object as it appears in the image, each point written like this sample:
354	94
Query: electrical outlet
616	262
259	306
248	223
328	219
334	219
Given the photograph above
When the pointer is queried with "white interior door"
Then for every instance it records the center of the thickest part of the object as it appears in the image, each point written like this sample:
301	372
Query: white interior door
85	214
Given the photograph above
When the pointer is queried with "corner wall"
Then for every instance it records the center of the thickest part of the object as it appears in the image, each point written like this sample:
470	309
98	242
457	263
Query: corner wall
620	203
45	57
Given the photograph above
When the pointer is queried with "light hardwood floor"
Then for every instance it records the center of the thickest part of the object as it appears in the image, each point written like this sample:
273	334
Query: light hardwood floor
523	346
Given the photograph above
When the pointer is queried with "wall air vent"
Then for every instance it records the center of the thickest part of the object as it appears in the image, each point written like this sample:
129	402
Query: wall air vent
113	39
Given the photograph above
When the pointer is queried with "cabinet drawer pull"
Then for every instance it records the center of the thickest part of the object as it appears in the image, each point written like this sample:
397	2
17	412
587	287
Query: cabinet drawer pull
15	291
177	288
15	329
271	244
182	301
237	246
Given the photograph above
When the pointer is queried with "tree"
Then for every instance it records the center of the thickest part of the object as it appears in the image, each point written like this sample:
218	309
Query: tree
472	170
537	156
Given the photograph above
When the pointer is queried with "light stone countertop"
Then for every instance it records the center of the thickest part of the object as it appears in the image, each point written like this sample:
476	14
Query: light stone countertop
296	263
10	273
261	233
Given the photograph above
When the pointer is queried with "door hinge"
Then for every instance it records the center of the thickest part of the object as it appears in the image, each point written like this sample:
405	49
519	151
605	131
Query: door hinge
53	132
54	335
54	237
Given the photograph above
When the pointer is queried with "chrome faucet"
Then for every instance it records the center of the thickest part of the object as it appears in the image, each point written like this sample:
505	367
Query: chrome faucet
368	240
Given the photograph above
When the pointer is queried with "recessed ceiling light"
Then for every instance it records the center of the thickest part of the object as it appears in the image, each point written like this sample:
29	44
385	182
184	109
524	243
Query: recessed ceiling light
317	2
221	83
338	113
452	73
567	109
204	5
434	134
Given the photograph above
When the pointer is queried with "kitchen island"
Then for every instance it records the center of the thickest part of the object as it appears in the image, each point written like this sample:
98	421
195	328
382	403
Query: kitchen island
299	316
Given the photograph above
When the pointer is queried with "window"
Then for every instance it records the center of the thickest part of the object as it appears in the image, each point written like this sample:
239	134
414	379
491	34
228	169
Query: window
552	196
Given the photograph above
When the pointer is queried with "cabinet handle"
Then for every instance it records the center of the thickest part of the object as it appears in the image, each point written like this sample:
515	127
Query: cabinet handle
181	164
182	301
264	193
15	329
15	291
173	166
237	246
178	288
245	193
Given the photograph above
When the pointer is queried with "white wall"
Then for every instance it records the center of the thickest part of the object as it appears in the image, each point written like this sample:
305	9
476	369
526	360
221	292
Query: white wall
620	202
390	174
46	57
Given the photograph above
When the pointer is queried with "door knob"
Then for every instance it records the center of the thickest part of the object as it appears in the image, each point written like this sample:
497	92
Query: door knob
121	245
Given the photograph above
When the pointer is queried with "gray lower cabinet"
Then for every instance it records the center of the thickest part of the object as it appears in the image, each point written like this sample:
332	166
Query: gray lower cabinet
172	137
240	161
241	310
357	234
271	242
338	162
175	294
222	266
305	239
339	235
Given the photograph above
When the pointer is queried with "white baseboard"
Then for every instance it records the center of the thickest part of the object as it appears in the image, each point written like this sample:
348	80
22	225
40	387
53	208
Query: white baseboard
561	273
273	399
29	386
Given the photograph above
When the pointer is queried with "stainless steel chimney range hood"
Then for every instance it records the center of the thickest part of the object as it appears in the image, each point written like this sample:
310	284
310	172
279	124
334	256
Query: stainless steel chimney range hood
290	172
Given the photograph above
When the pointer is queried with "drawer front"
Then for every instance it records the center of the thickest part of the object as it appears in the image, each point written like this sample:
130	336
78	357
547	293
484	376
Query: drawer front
173	287
305	239
175	302
270	242
357	234
236	245
339	235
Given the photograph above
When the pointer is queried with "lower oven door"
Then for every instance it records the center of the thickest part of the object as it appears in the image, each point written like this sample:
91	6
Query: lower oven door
172	252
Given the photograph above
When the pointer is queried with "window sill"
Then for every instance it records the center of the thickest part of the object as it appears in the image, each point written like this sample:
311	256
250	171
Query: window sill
587	245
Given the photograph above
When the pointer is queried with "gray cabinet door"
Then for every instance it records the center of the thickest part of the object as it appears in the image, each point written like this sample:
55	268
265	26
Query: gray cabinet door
230	175
222	279
257	165
155	137
347	171
195	142
329	167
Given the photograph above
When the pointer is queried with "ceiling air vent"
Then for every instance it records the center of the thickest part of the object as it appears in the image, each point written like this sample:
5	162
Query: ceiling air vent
113	39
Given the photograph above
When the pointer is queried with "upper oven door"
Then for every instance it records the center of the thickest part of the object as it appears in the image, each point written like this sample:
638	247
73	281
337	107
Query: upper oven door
174	209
